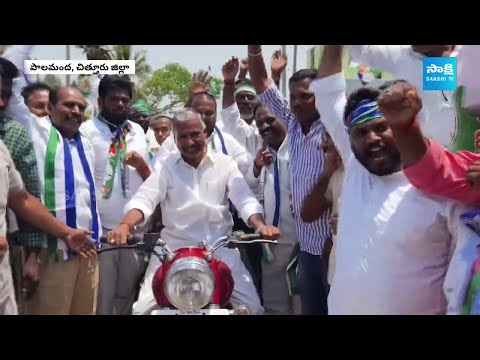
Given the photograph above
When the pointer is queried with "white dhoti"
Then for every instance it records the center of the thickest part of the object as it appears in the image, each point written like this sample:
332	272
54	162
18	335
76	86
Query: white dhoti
244	292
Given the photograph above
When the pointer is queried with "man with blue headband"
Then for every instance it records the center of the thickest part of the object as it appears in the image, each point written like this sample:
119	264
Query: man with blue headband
399	251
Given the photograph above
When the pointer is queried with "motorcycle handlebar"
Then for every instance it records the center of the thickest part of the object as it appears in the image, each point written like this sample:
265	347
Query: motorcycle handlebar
131	240
250	237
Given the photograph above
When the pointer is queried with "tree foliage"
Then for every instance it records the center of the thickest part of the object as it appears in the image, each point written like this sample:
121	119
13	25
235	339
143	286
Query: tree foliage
167	87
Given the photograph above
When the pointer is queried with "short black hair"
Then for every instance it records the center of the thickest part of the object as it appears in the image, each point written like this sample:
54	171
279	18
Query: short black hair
28	90
8	69
207	94
114	82
303	74
53	96
363	93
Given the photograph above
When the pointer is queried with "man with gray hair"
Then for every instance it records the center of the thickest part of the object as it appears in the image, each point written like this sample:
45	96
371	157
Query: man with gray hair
193	186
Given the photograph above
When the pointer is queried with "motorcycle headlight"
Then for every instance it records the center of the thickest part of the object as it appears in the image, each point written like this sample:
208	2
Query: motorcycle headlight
189	284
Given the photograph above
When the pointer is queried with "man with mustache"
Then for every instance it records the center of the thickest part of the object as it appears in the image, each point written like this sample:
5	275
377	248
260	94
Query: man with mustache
237	115
399	251
269	177
36	98
305	130
67	283
121	166
193	186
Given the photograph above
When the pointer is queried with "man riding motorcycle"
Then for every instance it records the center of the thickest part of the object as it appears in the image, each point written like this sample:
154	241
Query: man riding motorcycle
193	187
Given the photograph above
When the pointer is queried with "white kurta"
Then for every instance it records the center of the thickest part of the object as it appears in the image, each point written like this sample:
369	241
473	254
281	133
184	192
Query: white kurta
236	151
399	251
194	204
438	118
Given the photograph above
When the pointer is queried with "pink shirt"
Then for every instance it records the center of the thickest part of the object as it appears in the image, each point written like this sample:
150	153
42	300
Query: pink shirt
444	174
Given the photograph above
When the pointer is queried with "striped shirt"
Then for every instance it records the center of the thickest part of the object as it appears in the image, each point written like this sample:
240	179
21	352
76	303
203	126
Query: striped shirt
306	165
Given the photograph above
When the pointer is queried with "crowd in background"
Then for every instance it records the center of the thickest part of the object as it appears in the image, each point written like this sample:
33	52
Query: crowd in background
371	195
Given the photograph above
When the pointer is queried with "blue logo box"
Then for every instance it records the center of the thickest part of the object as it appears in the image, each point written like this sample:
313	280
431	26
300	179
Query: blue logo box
439	73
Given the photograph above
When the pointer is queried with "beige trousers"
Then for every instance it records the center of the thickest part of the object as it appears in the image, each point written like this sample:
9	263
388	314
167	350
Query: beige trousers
67	287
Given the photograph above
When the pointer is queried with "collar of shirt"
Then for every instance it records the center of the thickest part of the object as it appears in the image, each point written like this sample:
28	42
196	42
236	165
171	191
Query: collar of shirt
209	156
105	129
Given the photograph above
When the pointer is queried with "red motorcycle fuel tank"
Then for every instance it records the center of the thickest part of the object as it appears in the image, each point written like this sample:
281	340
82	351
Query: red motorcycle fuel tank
221	272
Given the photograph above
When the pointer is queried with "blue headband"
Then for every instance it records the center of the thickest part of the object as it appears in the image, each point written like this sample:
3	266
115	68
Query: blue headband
366	110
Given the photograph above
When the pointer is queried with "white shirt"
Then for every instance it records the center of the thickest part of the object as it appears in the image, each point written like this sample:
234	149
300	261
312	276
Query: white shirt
438	118
194	202
399	251
100	135
286	222
246	135
236	151
39	130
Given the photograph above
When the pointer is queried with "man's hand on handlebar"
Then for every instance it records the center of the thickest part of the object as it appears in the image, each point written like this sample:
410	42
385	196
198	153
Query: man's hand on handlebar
269	232
119	235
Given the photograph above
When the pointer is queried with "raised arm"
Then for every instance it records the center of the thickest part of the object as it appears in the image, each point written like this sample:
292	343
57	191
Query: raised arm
428	166
266	88
230	115
229	72
382	57
330	99
17	109
278	65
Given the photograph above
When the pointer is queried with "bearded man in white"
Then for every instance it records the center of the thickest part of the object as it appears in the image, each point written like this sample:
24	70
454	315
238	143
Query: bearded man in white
399	251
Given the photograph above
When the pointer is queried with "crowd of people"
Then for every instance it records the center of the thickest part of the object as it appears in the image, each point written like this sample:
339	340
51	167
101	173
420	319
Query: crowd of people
373	210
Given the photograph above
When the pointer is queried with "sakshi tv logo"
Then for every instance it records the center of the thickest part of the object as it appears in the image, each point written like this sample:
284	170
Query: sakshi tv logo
440	73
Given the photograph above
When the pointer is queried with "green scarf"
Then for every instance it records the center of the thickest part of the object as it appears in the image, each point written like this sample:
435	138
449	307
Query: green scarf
116	154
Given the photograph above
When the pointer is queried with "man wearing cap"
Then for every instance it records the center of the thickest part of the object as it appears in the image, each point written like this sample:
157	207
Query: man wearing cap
140	114
399	251
237	114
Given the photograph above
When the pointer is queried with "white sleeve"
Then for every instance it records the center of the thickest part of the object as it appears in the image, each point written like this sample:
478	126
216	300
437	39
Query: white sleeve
464	254
150	194
18	110
240	194
17	54
251	180
382	57
238	153
234	125
330	101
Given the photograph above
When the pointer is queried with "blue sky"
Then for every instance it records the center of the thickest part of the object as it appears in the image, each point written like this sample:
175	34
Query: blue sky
193	57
